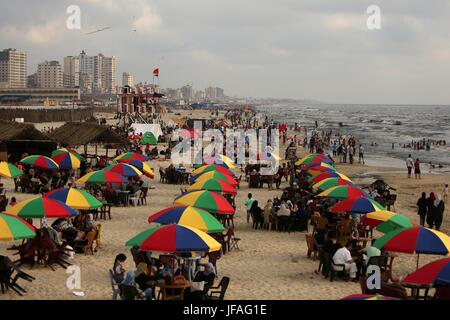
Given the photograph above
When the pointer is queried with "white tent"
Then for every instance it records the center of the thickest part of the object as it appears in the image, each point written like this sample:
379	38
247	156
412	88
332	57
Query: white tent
154	128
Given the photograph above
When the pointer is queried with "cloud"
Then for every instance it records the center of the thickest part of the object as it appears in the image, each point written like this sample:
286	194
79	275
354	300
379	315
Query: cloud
46	33
148	22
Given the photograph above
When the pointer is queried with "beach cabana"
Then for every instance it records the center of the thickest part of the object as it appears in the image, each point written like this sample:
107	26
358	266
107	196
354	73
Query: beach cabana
86	133
19	138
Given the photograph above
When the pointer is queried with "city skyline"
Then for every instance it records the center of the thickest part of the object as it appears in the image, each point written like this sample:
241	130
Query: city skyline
288	49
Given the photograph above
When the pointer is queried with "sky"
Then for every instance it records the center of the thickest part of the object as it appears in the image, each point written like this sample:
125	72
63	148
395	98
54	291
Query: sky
316	49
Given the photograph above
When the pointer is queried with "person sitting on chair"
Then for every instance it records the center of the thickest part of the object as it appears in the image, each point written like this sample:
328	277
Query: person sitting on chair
344	257
207	277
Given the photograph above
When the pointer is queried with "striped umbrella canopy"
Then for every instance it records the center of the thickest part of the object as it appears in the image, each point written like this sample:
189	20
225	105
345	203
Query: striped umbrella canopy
102	177
214	175
387	221
67	160
74	198
188	216
15	228
39	161
9	170
320	169
325	175
124	169
331	182
130	156
213	185
213	167
63	150
209	201
174	238
314	158
149	138
368	297
415	240
357	205
315	165
42	208
143	167
221	159
436	273
344	192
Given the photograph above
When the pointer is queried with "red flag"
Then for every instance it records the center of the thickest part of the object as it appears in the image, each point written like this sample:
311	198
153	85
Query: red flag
156	72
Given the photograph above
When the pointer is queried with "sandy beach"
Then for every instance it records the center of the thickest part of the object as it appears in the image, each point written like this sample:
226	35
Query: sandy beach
270	264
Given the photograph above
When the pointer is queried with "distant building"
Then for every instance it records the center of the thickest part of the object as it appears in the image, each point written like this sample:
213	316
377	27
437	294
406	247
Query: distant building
39	94
50	75
97	74
32	81
71	72
13	69
127	79
212	93
187	93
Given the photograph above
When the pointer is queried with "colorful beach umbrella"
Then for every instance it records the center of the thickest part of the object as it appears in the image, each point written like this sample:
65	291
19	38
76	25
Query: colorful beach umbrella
344	192
318	165
14	228
212	185
188	216
130	156
41	208
9	170
39	161
67	160
102	177
436	273
124	169
387	221
415	240
223	160
149	138
174	238
213	167
368	297
357	205
65	150
314	158
331	182
214	175
320	169
209	201
74	198
325	175
143	167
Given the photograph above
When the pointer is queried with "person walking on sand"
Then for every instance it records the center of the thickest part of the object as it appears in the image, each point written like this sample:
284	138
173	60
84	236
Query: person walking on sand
417	168
361	154
409	165
431	210
445	193
439	212
248	205
423	208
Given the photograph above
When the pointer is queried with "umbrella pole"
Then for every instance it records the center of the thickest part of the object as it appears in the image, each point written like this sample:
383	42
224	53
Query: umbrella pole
417	265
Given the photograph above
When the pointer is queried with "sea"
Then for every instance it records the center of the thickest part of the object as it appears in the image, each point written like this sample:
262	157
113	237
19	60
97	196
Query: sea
376	127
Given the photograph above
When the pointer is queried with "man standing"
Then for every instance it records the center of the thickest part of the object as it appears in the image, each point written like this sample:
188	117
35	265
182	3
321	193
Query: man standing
248	204
409	165
361	154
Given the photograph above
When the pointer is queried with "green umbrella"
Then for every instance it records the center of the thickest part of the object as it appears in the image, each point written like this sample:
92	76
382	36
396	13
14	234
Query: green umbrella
14	228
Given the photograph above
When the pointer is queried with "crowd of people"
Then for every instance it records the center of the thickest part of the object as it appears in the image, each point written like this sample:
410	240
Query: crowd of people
431	209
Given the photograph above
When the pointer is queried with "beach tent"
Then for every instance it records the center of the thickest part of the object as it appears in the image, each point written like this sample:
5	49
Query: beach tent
154	128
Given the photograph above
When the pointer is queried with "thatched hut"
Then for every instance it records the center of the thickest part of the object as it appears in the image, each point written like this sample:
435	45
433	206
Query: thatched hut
87	133
18	138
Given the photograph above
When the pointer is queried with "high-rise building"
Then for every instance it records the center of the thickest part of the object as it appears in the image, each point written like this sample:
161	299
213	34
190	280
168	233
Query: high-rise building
187	92
71	72
13	68
220	93
210	93
127	79
109	74
50	75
